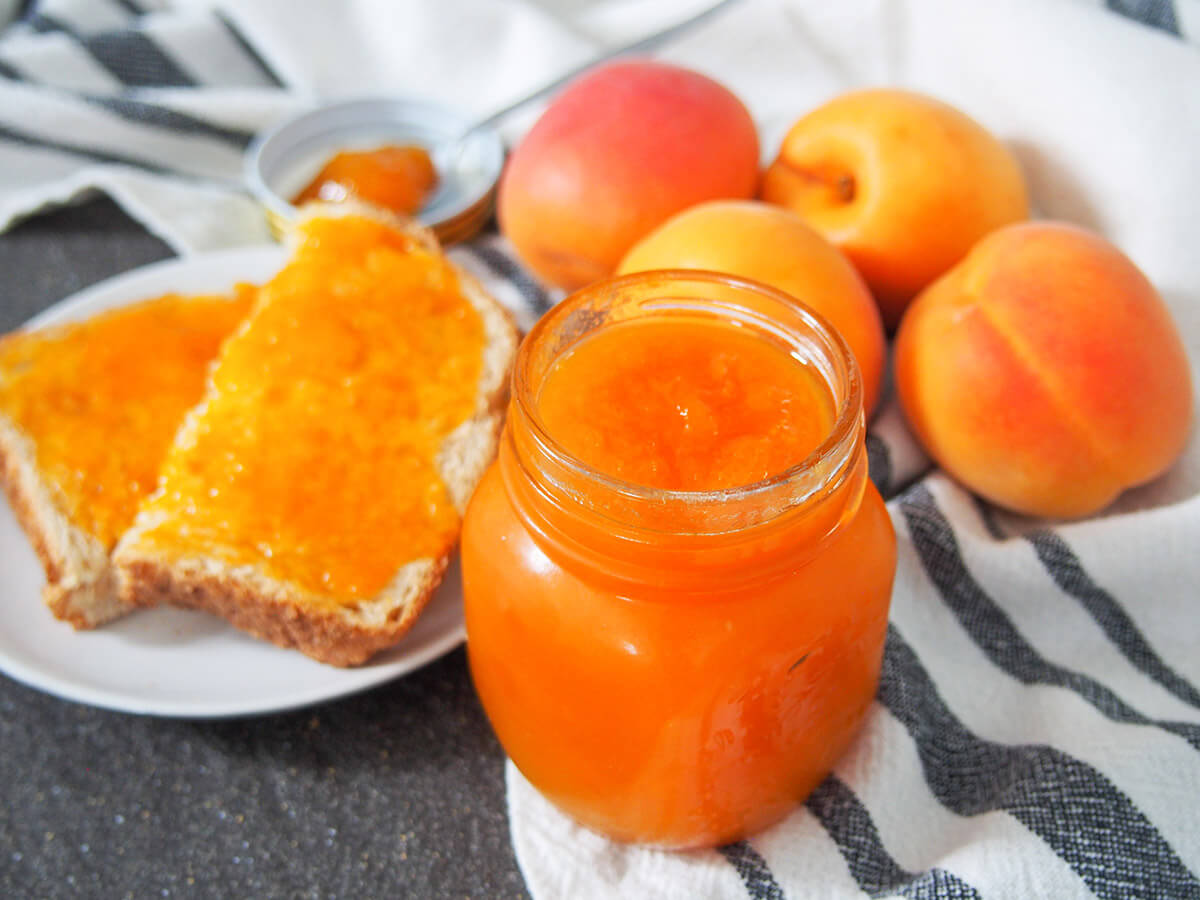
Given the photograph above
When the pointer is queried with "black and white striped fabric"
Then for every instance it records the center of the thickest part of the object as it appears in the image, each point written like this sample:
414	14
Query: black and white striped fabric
151	104
1037	726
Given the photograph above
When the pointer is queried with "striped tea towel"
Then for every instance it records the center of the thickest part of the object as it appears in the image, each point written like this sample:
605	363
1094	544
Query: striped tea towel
1037	727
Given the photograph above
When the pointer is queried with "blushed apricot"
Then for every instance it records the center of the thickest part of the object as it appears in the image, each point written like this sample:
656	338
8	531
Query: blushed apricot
1044	372
903	184
770	244
620	151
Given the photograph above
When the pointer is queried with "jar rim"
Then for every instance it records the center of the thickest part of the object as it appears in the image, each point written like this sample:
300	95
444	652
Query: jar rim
830	456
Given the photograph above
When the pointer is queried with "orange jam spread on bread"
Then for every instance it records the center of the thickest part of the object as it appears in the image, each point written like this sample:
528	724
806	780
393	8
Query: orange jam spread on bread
101	399
685	405
395	178
314	456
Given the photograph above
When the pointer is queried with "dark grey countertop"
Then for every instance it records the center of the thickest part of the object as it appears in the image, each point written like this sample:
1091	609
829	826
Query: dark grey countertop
396	792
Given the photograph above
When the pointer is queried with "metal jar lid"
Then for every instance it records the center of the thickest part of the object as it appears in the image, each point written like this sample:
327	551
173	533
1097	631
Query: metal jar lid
468	158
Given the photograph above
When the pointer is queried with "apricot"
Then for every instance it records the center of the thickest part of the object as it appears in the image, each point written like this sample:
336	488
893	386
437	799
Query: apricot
772	245
617	153
1044	372
902	183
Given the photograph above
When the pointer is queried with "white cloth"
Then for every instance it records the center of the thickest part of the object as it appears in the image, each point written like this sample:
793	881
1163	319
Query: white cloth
1037	729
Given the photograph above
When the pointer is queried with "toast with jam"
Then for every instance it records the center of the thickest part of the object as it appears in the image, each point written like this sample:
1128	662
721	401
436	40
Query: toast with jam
313	496
87	412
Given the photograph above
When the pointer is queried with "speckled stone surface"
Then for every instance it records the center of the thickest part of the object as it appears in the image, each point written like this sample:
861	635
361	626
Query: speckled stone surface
397	792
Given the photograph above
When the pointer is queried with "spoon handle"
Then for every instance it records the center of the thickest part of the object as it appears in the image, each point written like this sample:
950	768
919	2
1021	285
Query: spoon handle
637	46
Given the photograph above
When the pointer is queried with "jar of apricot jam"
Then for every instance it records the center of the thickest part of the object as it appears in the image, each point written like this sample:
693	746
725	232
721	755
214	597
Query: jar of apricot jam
677	573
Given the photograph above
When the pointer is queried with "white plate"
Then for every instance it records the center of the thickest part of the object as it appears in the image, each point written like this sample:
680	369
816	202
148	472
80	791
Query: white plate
171	662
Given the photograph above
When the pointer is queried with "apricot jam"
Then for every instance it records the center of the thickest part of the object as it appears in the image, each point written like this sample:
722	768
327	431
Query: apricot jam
101	399
677	574
314	459
685	405
395	178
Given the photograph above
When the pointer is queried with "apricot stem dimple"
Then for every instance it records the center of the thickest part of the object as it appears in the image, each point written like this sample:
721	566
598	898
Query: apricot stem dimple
845	188
840	184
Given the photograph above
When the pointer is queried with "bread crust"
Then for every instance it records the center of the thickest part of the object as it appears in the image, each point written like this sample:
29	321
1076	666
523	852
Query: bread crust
81	584
289	616
278	612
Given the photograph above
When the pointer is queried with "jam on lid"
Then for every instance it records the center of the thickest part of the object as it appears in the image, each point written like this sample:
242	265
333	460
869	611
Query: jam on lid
395	178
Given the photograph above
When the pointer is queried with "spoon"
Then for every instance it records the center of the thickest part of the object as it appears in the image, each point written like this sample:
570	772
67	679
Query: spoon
450	152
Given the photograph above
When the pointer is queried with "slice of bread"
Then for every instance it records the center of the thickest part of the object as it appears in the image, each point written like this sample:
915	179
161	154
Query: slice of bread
80	584
87	411
313	499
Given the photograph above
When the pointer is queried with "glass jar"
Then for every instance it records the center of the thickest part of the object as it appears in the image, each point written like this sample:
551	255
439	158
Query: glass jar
669	667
